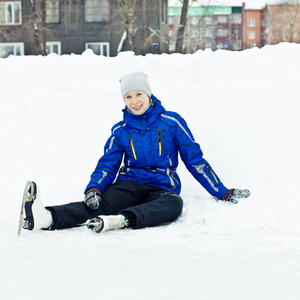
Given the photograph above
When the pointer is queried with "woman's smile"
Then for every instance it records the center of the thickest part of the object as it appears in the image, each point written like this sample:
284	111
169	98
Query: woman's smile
137	102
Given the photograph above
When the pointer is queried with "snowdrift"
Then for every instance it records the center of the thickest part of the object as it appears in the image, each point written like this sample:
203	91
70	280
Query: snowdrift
242	107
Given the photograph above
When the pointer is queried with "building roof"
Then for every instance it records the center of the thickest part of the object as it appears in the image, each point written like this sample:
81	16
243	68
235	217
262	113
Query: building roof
201	10
249	4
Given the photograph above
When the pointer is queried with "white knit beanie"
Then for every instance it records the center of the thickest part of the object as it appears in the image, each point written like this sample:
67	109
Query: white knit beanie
135	81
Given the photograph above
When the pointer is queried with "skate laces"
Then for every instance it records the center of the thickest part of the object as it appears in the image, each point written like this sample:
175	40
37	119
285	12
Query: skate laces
116	222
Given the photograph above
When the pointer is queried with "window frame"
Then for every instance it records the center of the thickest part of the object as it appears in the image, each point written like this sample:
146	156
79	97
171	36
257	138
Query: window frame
15	45
51	44
101	44
251	22
13	22
236	18
222	32
91	11
251	35
50	18
222	19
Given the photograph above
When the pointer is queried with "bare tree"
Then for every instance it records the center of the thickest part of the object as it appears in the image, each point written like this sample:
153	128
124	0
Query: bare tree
198	30
126	9
145	48
294	20
134	21
181	28
283	22
38	18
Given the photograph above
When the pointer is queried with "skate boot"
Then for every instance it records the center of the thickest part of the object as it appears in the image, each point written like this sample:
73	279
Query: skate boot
104	223
37	217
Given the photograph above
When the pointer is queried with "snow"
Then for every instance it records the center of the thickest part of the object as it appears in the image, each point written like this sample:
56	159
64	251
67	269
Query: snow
243	109
249	4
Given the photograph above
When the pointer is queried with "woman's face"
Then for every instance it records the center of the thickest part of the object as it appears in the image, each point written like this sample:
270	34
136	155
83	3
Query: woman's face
137	101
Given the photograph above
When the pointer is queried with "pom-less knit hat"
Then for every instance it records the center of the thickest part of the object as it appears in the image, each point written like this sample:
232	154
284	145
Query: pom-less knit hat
135	81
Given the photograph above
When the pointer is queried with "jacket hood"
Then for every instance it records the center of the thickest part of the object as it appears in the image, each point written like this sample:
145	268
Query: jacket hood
149	117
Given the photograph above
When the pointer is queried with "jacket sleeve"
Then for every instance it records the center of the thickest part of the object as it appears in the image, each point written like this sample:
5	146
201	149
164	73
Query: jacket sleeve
192	156
107	166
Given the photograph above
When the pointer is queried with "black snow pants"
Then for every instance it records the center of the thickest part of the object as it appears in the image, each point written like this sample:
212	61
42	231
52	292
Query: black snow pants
150	206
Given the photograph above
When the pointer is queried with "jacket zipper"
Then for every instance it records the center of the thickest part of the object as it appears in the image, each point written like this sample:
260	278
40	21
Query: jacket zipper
159	141
213	174
174	178
132	147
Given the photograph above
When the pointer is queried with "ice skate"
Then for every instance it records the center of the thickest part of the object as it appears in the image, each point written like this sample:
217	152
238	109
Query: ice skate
36	216
104	223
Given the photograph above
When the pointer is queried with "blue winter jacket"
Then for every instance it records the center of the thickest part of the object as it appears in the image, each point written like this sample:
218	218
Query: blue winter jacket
148	145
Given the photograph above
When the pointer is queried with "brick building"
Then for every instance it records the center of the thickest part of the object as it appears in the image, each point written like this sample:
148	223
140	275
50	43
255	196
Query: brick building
280	23
214	27
251	28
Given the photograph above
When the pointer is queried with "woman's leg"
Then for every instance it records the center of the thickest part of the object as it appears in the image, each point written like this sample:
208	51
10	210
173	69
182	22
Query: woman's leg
117	197
159	207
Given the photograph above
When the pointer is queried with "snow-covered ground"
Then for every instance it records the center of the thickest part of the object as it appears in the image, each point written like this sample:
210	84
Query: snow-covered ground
242	107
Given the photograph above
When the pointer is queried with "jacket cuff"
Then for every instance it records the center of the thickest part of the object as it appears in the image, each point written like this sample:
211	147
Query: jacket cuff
221	192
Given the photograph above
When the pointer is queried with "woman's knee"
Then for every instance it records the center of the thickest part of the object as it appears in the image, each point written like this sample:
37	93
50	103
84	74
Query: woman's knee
175	202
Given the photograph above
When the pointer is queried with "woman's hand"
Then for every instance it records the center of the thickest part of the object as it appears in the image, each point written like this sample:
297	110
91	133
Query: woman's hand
233	194
92	198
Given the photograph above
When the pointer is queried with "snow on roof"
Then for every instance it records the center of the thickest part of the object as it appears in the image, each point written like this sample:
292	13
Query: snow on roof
249	4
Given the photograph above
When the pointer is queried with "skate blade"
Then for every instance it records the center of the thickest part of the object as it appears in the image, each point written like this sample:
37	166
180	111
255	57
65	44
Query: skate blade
96	225
28	196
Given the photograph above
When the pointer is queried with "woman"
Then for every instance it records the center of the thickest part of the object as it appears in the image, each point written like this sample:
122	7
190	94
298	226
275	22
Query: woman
145	190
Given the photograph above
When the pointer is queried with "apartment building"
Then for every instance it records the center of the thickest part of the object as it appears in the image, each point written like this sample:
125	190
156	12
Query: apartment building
74	26
235	27
214	27
252	32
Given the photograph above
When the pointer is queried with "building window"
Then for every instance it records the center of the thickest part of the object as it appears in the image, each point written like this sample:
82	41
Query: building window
251	35
208	32
96	11
52	11
10	13
222	32
194	20
7	49
236	31
208	20
252	45
53	47
98	48
172	46
222	45
251	22
194	34
237	45
208	45
237	18
263	35
222	19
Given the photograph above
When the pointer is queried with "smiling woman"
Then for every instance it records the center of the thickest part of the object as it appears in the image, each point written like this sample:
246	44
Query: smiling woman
137	102
145	191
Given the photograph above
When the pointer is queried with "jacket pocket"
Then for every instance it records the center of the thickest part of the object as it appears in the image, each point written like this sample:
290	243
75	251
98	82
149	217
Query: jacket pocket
213	174
159	142
131	145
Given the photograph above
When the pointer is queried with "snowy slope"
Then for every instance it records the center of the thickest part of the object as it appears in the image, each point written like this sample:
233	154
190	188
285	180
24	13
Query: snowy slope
242	107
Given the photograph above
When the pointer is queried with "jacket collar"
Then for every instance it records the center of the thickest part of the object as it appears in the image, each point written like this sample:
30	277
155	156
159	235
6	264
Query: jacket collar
144	121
